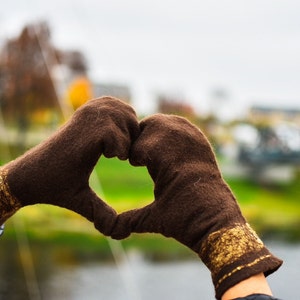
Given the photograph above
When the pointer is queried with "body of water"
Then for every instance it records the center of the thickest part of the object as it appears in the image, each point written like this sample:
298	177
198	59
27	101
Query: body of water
132	279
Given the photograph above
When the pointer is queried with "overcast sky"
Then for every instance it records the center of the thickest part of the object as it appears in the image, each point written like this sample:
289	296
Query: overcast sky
249	48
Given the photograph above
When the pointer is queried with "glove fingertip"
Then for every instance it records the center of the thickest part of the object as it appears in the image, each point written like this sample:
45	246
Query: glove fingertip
119	235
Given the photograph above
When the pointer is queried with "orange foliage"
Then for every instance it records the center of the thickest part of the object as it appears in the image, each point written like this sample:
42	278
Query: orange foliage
79	92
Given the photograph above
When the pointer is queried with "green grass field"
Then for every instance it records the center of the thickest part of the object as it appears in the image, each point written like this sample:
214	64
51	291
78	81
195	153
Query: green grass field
274	211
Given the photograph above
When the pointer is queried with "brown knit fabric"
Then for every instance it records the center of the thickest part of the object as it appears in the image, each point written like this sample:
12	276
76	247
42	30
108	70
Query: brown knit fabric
8	203
57	171
193	204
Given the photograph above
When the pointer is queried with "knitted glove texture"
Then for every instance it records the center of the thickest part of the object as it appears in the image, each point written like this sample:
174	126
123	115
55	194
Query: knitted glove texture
193	204
57	171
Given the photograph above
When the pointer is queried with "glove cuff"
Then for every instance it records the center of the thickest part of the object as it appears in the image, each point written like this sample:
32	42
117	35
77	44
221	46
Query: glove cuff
234	254
8	203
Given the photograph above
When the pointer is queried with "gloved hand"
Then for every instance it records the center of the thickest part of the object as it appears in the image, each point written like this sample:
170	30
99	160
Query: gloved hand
192	203
57	171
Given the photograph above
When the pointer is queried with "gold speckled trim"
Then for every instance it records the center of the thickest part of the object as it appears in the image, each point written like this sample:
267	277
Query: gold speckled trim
227	245
8	203
242	267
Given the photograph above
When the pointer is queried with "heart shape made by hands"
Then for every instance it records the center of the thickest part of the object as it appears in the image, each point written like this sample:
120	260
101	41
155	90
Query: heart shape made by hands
193	204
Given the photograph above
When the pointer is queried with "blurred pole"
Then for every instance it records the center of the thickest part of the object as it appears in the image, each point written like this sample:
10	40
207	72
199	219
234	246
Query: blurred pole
27	260
50	59
119	253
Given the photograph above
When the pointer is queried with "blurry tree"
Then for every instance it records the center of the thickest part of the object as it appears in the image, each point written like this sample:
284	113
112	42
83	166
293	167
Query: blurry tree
25	78
26	70
30	88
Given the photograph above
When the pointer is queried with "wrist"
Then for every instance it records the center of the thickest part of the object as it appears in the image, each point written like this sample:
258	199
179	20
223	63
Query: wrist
248	288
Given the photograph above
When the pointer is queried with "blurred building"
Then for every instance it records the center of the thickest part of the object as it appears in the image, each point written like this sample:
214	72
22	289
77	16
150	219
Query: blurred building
271	137
274	115
170	104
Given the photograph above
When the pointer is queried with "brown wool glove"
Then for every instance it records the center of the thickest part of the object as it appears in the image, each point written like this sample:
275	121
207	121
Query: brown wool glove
193	204
57	171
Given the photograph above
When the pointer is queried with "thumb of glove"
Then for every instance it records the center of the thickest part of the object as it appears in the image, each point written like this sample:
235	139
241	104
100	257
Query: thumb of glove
137	220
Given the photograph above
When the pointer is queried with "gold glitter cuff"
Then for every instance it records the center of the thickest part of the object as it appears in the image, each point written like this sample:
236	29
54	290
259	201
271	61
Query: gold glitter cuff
227	247
8	203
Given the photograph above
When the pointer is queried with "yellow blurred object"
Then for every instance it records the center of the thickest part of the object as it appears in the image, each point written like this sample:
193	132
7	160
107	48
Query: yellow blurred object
79	92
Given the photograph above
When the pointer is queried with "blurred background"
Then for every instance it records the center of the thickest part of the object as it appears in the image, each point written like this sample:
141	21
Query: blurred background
231	67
